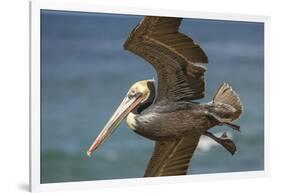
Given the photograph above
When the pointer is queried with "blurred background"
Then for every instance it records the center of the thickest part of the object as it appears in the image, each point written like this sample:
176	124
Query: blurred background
85	74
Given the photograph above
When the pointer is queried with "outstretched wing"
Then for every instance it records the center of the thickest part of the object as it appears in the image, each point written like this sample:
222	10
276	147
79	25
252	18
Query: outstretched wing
177	60
172	158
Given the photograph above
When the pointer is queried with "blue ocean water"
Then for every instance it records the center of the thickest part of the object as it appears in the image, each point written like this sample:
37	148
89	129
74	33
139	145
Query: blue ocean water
85	74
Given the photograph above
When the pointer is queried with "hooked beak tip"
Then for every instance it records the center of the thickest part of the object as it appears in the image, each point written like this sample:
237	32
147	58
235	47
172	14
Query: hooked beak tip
92	149
89	153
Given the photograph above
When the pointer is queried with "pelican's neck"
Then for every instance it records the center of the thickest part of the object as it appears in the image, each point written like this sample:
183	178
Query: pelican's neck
131	121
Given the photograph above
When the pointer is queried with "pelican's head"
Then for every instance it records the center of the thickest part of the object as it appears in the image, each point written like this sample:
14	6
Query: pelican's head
140	88
137	97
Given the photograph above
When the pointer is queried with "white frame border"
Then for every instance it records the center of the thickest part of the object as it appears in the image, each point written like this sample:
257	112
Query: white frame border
91	6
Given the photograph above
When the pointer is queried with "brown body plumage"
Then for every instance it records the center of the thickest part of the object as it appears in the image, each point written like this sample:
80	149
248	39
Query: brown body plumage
168	114
181	118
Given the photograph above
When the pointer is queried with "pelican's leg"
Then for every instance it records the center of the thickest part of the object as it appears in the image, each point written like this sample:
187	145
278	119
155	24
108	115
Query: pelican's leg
222	121
226	142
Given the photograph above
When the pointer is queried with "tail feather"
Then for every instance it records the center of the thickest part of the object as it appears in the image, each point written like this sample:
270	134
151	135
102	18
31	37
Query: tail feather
226	95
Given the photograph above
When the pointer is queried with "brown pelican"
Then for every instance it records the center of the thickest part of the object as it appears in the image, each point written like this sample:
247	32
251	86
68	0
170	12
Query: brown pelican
165	111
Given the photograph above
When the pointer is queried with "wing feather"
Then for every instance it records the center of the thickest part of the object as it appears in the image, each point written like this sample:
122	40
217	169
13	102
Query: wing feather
174	56
172	158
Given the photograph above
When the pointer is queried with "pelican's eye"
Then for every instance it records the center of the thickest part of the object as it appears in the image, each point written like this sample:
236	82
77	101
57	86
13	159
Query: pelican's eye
132	93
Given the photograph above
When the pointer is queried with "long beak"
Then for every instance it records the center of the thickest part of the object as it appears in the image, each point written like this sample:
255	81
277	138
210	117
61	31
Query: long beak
127	105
